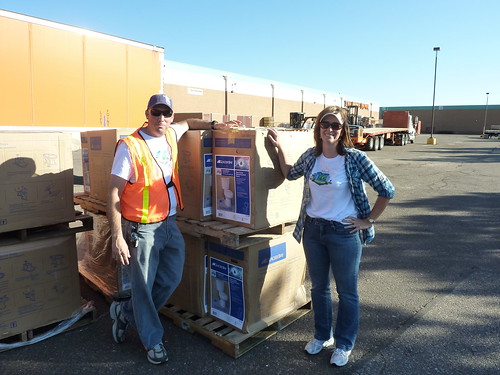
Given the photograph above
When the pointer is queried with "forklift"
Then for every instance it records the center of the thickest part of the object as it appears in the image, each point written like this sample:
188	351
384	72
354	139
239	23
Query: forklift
298	120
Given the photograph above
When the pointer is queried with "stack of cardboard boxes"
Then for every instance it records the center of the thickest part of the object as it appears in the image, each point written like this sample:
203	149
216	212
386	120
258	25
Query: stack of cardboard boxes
39	282
248	288
255	286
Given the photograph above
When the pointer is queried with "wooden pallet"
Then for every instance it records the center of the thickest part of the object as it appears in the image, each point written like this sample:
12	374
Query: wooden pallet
25	336
81	223
231	341
90	204
230	235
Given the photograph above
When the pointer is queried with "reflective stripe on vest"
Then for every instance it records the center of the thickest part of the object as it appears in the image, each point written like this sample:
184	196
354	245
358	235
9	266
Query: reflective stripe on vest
147	175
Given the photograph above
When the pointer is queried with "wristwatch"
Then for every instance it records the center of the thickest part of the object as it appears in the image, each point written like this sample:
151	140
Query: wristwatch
370	220
212	124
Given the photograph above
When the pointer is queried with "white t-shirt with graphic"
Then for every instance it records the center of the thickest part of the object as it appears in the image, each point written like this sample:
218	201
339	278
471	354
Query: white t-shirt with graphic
331	197
162	153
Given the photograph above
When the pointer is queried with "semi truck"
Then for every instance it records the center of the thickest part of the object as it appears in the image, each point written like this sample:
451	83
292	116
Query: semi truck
396	128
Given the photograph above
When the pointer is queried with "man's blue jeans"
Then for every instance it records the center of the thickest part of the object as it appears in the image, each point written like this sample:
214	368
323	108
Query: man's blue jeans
156	266
329	246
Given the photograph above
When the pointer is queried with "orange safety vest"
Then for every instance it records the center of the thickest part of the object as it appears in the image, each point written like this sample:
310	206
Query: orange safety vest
147	200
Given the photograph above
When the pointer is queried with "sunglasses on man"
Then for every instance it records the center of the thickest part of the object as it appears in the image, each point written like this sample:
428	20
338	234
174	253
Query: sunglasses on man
158	112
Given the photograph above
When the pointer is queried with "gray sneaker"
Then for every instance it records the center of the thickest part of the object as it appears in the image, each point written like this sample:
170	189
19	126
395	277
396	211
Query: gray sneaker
157	354
120	324
315	346
340	357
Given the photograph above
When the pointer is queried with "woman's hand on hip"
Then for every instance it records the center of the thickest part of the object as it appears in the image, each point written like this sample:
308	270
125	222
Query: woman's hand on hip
356	224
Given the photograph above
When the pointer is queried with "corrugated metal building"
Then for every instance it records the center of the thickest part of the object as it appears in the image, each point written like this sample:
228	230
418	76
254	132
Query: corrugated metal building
217	93
464	119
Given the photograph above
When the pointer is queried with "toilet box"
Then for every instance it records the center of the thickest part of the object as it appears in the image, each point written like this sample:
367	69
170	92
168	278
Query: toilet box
249	188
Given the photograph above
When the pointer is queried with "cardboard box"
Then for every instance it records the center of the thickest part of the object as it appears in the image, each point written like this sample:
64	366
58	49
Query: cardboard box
101	151
195	173
219	117
39	284
84	144
191	294
250	190
36	179
178	117
96	263
254	287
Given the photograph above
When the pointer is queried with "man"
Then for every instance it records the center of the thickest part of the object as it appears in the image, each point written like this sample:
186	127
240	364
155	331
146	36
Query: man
143	197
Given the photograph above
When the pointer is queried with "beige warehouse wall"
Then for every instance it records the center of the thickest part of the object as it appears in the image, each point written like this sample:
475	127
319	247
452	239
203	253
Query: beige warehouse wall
194	100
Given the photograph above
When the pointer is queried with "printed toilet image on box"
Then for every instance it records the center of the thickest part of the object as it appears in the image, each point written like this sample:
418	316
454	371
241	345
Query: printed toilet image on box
255	286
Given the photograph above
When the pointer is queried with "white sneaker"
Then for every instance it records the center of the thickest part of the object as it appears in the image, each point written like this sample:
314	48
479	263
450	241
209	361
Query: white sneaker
340	357
315	346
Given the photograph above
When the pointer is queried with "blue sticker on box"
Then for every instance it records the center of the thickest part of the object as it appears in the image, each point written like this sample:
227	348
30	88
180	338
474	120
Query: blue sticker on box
226	292
272	254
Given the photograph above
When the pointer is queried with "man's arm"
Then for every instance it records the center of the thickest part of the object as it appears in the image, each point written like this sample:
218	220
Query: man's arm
119	246
198	124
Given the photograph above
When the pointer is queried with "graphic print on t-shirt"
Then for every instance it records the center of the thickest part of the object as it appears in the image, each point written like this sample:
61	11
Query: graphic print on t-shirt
321	178
163	158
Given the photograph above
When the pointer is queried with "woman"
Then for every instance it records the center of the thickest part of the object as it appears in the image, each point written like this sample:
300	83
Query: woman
334	221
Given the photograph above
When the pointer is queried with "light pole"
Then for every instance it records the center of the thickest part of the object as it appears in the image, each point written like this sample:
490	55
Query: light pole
225	94
272	100
485	114
302	103
432	140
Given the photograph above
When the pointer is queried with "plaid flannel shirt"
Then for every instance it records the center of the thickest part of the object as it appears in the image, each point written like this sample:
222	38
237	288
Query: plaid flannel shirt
359	169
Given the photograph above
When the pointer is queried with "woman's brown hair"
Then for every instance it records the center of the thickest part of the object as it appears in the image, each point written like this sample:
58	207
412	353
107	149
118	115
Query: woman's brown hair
345	136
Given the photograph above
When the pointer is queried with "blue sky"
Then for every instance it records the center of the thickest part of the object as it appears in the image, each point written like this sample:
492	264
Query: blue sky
378	50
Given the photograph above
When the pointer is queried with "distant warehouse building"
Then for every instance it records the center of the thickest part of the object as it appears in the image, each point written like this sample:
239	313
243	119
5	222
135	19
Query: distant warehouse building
454	119
219	95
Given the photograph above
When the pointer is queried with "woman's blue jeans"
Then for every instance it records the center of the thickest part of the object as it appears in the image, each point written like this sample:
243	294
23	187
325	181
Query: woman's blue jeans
329	246
156	266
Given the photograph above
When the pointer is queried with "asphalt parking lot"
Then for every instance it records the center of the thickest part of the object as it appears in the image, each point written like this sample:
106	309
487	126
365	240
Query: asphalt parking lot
429	287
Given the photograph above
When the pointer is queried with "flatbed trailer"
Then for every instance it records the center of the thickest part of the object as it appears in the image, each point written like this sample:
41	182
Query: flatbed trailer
494	131
373	139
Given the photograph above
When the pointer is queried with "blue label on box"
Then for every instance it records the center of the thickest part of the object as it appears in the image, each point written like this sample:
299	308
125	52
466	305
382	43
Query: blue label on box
207	142
226	162
242	180
226	292
272	254
227	251
96	143
237	301
208	160
218	266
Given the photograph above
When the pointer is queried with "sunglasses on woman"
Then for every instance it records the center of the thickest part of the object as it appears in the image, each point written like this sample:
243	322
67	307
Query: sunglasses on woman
334	125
